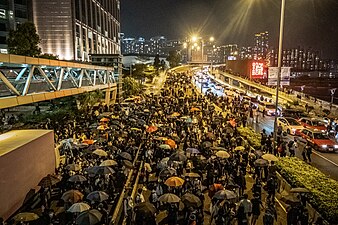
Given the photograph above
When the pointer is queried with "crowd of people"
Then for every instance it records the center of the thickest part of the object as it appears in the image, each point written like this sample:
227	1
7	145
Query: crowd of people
195	165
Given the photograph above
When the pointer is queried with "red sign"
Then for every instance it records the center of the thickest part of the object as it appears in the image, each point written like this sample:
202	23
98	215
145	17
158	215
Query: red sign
257	70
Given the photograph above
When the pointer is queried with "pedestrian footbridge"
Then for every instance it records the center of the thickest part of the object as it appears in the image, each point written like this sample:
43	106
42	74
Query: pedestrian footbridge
25	80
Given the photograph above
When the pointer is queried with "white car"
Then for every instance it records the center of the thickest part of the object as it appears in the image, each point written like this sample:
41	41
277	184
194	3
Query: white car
218	87
290	125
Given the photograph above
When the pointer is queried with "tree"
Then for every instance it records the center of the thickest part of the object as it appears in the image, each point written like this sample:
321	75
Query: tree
131	87
24	40
49	56
138	71
174	58
157	61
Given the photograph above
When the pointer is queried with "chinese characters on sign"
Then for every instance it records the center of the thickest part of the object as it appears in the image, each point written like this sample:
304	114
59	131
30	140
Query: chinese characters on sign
257	70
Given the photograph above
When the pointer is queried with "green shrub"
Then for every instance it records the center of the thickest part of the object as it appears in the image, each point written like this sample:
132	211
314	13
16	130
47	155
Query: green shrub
253	138
323	194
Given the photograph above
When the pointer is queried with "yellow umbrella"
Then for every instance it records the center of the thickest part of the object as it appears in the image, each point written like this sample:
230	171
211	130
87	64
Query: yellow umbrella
171	143
223	154
135	129
175	114
239	148
174	182
102	127
100	152
161	138
104	119
26	217
109	162
270	157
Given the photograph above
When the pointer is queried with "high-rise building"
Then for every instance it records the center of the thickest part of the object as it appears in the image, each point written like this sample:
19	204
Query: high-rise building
12	12
74	29
261	45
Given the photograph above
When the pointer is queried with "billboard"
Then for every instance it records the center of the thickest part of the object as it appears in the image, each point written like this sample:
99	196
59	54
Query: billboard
257	70
285	76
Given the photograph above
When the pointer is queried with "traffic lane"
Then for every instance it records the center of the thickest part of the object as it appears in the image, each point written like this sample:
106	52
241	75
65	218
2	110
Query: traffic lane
325	162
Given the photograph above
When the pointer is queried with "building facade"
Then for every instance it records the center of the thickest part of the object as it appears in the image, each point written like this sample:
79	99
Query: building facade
141	46
12	12
261	45
74	29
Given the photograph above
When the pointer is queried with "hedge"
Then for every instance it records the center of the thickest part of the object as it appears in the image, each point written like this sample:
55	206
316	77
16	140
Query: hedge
253	138
323	194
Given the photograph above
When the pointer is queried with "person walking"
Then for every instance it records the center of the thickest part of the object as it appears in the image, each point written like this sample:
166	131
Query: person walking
247	205
270	214
308	150
304	154
256	208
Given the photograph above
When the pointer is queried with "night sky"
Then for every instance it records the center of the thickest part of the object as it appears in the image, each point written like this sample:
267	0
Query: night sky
308	23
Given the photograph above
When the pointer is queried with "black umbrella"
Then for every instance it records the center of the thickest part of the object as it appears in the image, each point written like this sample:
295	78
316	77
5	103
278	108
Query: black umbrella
191	200
178	156
125	155
145	208
98	196
77	178
168	172
224	194
128	164
90	217
49	181
100	170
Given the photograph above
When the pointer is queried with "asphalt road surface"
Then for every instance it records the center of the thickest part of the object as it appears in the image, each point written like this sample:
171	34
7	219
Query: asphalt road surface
325	162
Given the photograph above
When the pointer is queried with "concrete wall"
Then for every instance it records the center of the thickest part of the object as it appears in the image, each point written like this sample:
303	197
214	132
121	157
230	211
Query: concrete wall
22	169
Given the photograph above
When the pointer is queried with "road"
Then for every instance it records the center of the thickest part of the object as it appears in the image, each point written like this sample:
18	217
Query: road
325	162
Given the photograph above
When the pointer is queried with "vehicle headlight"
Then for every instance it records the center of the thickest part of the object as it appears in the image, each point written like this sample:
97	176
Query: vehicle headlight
335	146
324	146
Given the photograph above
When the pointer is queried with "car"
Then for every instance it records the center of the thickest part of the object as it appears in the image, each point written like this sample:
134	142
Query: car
294	113
313	123
318	140
269	108
218	87
289	125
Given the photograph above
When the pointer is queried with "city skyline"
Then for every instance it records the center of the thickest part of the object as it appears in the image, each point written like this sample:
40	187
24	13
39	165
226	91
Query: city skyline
309	24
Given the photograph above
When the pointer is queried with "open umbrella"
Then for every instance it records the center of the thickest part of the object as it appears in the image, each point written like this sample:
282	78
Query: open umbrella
25	217
78	207
145	208
171	143
125	155
151	129
174	182
90	217
100	170
73	167
191	200
192	151
194	109
270	157
239	148
161	138
104	119
167	172
169	198
211	136
102	127
225	194
72	196
128	164
49	181
223	154
206	144
218	149
165	146
98	196
192	175
299	190
100	152
261	162
136	129
88	141
109	162
77	178
178	156
175	114
290	199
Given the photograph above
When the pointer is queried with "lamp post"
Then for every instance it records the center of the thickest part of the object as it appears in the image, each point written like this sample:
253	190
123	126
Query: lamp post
280	51
333	91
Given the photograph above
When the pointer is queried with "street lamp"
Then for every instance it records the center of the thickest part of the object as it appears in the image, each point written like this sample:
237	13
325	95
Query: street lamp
280	50
333	91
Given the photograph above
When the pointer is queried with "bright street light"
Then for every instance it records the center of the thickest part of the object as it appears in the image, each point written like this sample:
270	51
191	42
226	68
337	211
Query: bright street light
211	39
194	38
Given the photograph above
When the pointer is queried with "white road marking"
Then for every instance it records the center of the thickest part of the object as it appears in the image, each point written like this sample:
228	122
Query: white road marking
323	157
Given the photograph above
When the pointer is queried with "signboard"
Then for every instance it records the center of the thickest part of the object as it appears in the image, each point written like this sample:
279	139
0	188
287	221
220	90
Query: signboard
257	70
231	57
273	75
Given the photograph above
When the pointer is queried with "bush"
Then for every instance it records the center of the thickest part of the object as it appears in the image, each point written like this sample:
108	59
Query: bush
253	138
323	194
